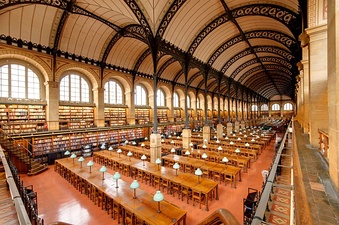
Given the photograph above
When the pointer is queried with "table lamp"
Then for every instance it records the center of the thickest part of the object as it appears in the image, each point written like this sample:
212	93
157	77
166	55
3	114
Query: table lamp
119	152
116	177
238	139
231	143
204	156
158	197
143	158
217	141
81	159
73	156
204	147
176	166
245	136
247	144
187	153
198	172
146	138
67	153
225	160
173	151
129	154
103	169
172	142
142	145
219	149
191	145
126	142
134	185
134	143
90	164
158	162
110	149
103	146
226	138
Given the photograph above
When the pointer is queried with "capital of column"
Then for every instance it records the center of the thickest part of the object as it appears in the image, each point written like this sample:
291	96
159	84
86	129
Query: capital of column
304	39
52	84
99	89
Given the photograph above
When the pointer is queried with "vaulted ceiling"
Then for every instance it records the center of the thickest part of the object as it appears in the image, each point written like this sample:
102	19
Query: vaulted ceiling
244	46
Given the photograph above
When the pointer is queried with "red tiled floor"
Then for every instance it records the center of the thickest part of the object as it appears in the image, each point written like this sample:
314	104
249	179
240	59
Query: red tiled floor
59	201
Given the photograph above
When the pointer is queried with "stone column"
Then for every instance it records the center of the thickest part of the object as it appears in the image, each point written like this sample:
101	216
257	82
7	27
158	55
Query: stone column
186	138
220	131
318	105
151	103
333	91
242	124
206	133
229	128
155	147
52	108
130	112
169	104
304	38
237	126
99	114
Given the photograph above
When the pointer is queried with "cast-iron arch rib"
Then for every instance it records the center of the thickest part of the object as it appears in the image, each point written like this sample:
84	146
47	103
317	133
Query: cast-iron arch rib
206	31
165	65
62	22
141	18
144	55
169	15
61	4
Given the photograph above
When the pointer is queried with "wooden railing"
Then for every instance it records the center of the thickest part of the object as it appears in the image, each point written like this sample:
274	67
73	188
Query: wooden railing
324	143
25	206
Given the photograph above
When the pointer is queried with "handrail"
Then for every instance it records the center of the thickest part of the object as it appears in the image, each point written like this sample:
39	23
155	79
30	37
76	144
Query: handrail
23	151
18	203
260	211
220	216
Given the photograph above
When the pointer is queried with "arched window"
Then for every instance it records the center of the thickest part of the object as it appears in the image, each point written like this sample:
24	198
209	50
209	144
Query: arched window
175	100
188	102
275	107
19	81
113	93
160	98
140	97
198	103
264	107
74	88
288	107
254	108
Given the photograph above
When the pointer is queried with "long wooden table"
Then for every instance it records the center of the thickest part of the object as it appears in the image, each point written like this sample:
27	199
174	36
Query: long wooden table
143	207
131	166
211	167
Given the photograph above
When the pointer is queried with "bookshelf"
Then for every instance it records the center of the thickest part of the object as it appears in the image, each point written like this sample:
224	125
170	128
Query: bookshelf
115	116
75	117
16	118
162	115
141	116
177	115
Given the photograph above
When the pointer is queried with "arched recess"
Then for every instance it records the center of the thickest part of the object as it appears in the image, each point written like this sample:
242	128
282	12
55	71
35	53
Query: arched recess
44	66
126	84
86	71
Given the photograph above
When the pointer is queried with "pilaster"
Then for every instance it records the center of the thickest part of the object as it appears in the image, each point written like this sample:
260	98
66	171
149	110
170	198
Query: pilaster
220	131
186	138
155	147
52	108
99	114
206	133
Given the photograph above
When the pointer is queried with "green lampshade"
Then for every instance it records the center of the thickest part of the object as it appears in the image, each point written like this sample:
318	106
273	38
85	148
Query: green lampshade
129	153
219	148
116	176
134	184
158	161
204	156
158	197
237	150
110	148
191	144
176	166
90	163
172	142
231	143
225	159
73	156
247	144
198	172
142	144
119	150
173	150
67	152
187	152
103	169
143	157
81	159
239	139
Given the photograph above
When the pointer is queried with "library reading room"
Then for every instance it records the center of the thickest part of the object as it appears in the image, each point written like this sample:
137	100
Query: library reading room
169	112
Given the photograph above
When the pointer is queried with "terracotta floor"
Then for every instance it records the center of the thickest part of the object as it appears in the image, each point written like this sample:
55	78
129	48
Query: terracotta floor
59	201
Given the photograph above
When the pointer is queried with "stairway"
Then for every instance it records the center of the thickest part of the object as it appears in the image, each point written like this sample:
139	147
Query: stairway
21	153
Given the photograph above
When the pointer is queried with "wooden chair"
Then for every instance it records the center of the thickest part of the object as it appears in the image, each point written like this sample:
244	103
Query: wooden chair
197	197
186	191
176	188
156	182
165	184
217	176
116	211
129	218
